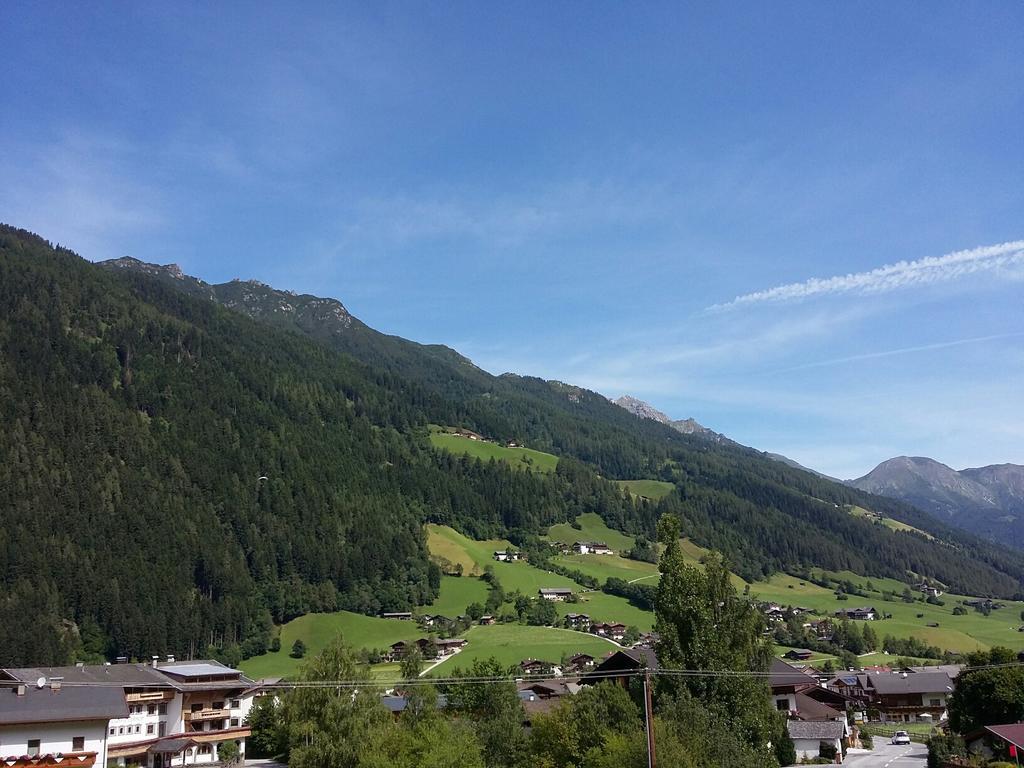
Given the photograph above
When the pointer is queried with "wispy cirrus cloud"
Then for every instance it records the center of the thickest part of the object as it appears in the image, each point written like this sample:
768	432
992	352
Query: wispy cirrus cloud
891	277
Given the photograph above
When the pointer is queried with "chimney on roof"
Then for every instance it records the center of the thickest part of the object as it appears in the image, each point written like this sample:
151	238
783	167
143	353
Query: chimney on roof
55	683
156	660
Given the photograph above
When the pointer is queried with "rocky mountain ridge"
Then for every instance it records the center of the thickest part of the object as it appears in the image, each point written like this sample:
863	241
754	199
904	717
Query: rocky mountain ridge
987	500
645	410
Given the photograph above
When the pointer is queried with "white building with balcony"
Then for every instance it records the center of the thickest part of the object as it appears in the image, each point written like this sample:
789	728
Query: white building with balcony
174	713
45	724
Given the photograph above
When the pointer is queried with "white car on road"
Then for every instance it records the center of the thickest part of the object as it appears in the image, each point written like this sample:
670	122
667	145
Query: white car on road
901	737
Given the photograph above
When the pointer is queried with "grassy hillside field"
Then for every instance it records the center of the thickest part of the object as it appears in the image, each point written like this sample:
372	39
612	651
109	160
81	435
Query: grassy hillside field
511	643
648	489
521	458
888	522
957	633
316	630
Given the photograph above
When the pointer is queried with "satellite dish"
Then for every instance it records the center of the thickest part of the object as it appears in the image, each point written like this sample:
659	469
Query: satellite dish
41	682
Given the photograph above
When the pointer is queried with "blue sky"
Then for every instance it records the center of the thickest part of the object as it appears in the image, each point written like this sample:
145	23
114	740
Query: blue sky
580	191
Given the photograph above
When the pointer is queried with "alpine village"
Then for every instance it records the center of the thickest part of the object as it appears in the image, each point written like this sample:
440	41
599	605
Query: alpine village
468	384
241	525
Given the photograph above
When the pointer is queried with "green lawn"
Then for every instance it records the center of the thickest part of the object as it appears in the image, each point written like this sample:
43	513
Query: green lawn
521	458
603	607
650	489
591	528
513	576
317	629
456	593
888	522
511	643
957	633
602	567
473	555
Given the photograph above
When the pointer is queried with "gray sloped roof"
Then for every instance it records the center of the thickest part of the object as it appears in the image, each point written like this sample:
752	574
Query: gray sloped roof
823	730
40	705
782	675
888	683
125	675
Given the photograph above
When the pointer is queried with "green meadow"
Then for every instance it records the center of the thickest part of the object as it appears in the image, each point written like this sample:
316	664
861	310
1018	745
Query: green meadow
648	489
511	643
521	458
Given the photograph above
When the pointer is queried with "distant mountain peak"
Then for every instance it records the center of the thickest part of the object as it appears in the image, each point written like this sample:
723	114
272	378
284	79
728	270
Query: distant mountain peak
645	410
988	500
129	262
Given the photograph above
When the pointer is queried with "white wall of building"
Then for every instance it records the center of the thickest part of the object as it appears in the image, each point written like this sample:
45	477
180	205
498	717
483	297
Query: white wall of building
55	737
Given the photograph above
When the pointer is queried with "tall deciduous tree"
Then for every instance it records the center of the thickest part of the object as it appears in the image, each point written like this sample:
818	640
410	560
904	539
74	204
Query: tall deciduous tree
703	624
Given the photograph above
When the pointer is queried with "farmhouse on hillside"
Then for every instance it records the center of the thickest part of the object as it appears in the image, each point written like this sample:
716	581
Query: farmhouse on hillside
555	593
591	548
862	613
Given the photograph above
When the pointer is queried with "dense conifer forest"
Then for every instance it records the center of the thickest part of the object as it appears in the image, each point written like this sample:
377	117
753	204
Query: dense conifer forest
176	476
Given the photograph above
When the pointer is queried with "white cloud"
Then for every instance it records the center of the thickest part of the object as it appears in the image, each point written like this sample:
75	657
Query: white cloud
891	277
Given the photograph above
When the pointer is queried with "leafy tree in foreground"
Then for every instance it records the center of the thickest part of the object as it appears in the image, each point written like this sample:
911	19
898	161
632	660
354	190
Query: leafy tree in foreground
330	727
703	624
494	711
269	734
987	696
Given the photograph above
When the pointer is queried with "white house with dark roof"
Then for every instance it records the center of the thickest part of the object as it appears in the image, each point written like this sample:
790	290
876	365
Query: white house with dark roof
555	593
910	697
811	738
174	712
45	723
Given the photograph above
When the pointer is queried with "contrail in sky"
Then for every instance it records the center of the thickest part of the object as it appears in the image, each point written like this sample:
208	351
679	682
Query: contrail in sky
901	351
891	277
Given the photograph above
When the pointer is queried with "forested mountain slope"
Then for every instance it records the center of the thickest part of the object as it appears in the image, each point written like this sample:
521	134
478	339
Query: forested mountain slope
175	474
764	515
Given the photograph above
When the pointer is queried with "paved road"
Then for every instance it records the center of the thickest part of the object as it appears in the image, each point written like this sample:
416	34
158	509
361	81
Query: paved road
886	755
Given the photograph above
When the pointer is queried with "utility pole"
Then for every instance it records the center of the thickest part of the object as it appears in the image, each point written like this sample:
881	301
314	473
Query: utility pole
649	719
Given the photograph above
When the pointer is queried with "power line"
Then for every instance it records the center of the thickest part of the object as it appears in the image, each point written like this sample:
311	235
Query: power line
370	683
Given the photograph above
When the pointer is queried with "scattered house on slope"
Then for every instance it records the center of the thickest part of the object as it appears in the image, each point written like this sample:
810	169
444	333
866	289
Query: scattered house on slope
613	630
449	646
400	615
581	662
928	590
863	613
506	555
622	666
816	738
486	620
536	667
579	621
798	654
555	593
591	548
53	725
910	698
